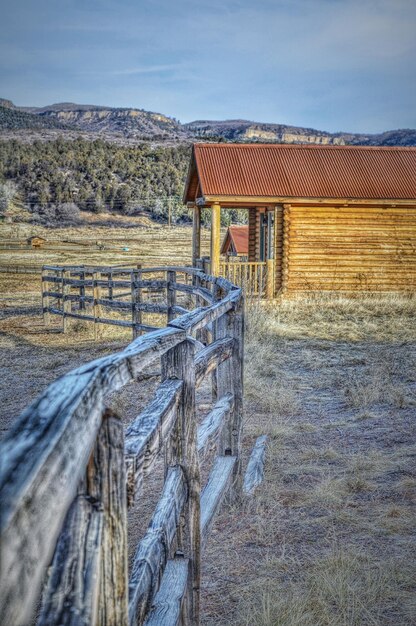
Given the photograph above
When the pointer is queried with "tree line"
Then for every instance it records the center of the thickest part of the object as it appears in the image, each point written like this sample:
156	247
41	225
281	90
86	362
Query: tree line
57	179
96	176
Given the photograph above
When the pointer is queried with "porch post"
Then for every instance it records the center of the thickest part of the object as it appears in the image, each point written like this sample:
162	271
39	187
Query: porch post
196	235
215	238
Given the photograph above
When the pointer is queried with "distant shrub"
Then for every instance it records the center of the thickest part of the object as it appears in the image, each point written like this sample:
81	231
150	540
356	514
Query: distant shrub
53	215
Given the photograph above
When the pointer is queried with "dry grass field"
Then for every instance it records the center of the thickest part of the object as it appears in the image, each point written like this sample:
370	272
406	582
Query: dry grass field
328	540
99	240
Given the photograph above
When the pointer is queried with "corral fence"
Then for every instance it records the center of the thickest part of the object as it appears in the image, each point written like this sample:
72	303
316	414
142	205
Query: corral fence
69	471
120	296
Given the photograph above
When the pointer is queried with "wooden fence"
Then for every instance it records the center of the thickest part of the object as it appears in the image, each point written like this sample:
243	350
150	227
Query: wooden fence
69	472
128	294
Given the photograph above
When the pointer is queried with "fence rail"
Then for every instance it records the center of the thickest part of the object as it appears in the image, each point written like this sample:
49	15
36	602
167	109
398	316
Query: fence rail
69	471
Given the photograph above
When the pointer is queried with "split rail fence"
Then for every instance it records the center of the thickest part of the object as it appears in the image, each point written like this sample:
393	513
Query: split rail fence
69	471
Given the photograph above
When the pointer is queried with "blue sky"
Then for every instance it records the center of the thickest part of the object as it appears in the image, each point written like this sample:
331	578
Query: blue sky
329	64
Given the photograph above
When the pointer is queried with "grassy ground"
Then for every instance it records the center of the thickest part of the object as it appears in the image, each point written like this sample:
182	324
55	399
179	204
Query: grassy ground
100	240
328	538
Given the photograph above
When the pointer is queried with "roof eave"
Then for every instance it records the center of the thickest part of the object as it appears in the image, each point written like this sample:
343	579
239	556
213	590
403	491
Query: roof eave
225	200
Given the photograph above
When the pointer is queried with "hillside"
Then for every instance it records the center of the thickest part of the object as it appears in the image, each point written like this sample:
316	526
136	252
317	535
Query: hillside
96	175
12	119
135	123
246	131
130	125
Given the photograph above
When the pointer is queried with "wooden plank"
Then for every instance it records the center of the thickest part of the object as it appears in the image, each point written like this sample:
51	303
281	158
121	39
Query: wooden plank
45	303
209	359
147	433
72	592
212	423
136	317
142	284
219	482
45	453
153	550
180	363
170	295
168	603
255	468
104	320
106	484
230	380
180	310
66	303
96	306
202	292
198	318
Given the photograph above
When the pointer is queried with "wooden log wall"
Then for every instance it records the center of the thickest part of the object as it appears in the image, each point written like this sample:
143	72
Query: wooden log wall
278	247
349	248
69	471
252	235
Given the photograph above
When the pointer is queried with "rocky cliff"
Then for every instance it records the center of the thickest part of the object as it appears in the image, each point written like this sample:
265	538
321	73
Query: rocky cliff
131	125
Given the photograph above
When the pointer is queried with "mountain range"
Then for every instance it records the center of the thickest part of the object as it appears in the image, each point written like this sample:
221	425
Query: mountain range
127	125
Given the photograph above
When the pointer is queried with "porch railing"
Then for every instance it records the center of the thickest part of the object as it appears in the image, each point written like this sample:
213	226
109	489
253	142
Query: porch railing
252	276
255	277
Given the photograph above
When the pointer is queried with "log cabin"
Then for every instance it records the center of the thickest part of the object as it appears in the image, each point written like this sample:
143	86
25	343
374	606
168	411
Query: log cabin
321	218
235	242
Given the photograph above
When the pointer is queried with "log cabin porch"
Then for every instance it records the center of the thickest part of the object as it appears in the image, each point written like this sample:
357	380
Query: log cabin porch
257	272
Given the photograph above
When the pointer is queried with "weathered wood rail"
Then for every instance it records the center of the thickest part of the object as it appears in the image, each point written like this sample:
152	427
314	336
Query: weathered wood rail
94	293
69	471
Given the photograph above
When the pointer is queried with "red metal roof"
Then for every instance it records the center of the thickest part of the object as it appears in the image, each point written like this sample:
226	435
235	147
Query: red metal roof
305	171
238	236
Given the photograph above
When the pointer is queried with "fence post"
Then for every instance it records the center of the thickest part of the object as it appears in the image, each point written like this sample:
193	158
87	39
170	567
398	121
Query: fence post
97	307
110	285
230	379
45	300
66	303
106	483
170	294
82	291
179	363
136	315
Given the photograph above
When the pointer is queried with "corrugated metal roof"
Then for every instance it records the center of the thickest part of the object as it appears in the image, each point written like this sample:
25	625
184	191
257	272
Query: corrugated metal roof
306	171
238	235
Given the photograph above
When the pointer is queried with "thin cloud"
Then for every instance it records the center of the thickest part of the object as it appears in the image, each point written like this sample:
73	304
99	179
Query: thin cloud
150	69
